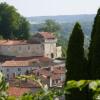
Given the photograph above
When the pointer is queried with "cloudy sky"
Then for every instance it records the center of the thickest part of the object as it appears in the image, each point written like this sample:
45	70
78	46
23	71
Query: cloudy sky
54	7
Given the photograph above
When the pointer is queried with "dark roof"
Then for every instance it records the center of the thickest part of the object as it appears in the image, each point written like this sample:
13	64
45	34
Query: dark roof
4	58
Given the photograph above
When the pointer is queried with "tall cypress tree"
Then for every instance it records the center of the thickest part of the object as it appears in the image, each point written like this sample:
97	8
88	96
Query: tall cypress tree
94	49
76	62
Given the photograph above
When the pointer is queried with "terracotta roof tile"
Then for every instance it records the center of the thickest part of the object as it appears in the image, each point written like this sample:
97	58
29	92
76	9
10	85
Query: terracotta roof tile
16	63
47	35
58	71
25	61
18	42
16	91
12	42
24	84
56	76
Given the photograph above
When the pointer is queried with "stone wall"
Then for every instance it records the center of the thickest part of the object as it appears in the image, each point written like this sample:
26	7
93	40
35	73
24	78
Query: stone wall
59	51
22	50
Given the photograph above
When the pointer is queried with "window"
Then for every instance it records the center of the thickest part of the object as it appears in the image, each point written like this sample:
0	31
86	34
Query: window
52	55
19	69
28	47
7	70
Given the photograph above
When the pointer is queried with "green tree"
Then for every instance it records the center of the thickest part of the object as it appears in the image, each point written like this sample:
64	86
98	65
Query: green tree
94	49
50	26
23	31
3	87
11	22
76	62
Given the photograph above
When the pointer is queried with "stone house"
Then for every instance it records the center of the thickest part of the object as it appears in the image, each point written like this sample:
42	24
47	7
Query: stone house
20	48
49	41
11	69
22	65
41	44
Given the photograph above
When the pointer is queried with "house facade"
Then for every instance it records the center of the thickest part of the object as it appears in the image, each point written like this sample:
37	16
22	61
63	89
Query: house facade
41	44
20	48
11	69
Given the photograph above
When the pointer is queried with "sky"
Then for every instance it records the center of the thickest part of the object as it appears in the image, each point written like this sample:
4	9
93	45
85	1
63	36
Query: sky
30	8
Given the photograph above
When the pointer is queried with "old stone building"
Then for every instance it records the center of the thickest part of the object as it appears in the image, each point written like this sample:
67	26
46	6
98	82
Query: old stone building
41	44
19	56
49	41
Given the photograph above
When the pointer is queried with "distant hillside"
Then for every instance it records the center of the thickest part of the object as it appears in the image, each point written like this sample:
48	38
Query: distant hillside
62	19
66	22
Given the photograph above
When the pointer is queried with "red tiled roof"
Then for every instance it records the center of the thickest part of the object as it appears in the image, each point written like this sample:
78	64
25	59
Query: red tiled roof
16	91
25	61
17	42
41	58
47	35
56	76
13	42
58	71
24	84
16	63
44	72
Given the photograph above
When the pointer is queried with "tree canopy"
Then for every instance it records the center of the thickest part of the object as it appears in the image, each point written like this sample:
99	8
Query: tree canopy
76	62
94	49
50	26
12	24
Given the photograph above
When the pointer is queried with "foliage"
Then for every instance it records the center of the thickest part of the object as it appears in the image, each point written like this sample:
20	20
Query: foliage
50	93
3	87
50	26
23	31
94	49
76	62
11	22
11	98
44	94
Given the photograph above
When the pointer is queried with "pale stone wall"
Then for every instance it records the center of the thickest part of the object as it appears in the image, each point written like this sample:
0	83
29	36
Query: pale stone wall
46	47
59	51
22	50
50	48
